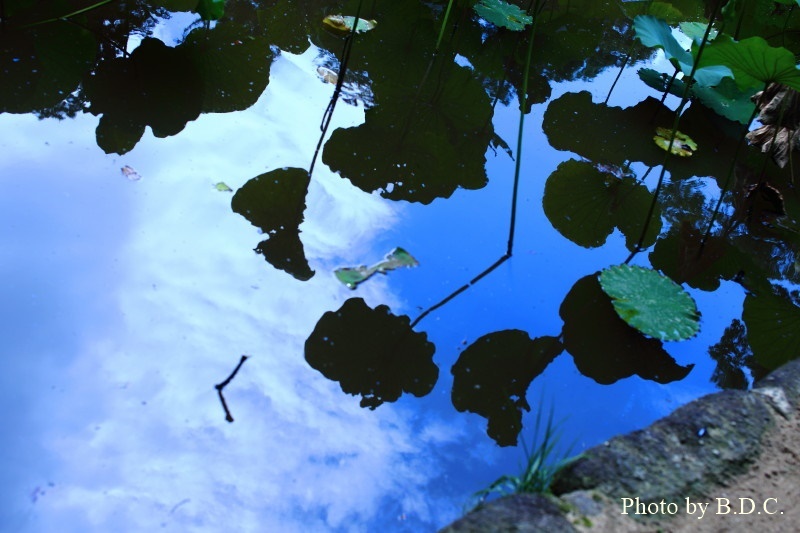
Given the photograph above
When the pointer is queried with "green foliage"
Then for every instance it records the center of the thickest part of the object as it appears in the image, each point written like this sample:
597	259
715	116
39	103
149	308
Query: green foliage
605	348
654	32
343	24
753	62
503	14
651	302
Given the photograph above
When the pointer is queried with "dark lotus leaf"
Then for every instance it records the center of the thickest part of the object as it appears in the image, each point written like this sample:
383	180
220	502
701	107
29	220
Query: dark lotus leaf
677	254
604	347
418	152
612	135
491	378
155	86
372	352
431	126
585	204
275	202
772	318
233	65
42	65
733	354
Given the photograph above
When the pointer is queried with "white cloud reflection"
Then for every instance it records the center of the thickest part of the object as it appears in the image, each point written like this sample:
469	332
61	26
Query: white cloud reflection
135	438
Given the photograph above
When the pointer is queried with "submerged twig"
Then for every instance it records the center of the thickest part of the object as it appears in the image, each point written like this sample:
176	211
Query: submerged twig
220	386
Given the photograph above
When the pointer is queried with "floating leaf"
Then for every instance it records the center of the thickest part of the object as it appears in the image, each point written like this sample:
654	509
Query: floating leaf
604	347
327	75
397	258
130	173
503	14
222	187
342	25
682	145
651	302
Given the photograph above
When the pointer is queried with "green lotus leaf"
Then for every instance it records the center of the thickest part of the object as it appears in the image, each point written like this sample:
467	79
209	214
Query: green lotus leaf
651	302
342	25
222	187
503	14
753	62
654	32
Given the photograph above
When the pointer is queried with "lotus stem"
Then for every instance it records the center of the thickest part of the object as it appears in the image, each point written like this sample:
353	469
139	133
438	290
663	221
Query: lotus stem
675	123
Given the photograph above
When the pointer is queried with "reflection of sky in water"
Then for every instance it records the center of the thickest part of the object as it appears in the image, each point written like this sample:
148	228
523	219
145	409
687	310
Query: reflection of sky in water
127	301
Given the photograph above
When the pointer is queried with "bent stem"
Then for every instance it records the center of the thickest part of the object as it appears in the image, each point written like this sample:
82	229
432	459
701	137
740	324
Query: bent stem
461	289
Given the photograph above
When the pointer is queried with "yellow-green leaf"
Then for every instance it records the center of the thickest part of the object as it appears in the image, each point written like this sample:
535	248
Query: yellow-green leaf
682	145
342	25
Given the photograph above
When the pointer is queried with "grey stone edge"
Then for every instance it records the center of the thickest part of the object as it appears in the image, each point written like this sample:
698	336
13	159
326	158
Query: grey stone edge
688	453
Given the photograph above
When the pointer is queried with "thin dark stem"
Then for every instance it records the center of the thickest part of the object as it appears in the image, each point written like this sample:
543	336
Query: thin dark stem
675	123
337	91
72	14
461	289
224	384
522	110
669	86
619	75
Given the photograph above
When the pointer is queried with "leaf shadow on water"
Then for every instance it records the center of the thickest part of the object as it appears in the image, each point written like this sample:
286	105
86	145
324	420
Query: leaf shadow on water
604	347
274	202
372	353
492	376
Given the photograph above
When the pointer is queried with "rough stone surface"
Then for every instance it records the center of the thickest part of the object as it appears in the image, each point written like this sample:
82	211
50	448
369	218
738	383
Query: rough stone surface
699	445
523	513
708	447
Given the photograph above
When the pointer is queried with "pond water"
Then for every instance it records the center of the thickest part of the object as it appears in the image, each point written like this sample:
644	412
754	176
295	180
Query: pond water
133	288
